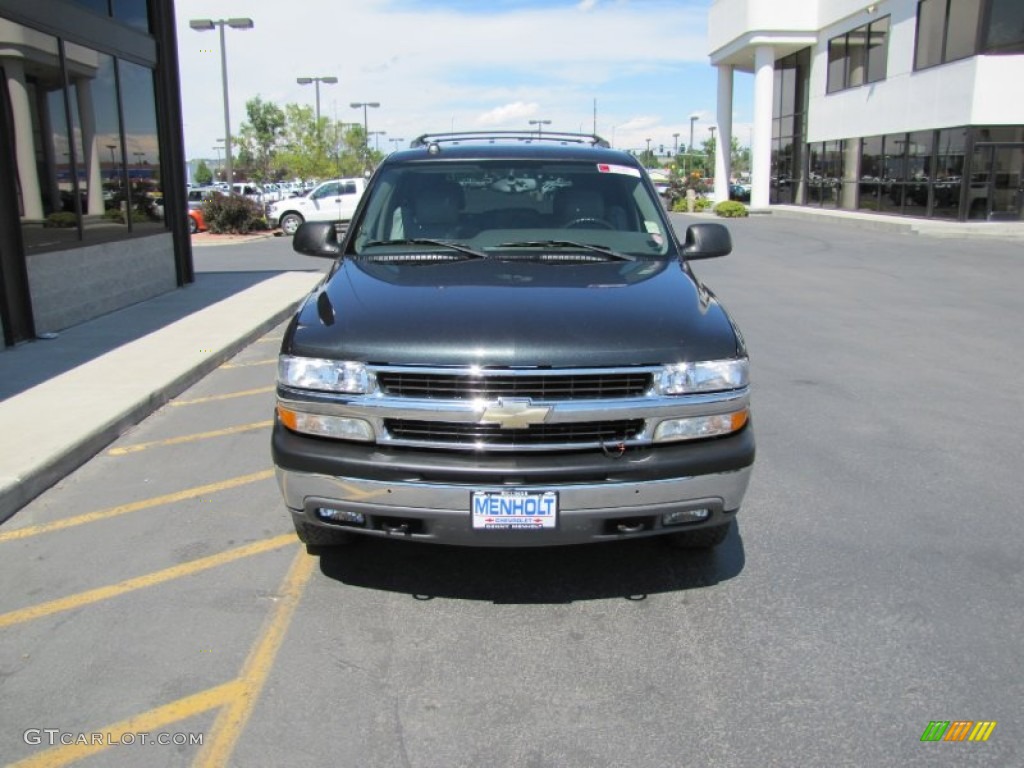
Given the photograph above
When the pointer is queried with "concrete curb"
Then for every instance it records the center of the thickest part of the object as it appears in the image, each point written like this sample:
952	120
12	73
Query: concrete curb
70	418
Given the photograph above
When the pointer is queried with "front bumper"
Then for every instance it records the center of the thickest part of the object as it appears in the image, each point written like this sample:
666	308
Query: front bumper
426	496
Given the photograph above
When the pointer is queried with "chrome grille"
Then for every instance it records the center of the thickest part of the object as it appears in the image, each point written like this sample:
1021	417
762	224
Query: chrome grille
538	435
538	387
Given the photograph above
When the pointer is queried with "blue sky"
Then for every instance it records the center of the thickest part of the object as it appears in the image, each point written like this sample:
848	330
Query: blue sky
435	65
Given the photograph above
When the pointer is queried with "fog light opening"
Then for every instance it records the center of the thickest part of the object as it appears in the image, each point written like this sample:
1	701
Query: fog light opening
682	516
343	516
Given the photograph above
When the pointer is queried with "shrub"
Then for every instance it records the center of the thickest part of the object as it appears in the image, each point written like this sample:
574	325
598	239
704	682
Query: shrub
703	203
61	219
233	215
731	209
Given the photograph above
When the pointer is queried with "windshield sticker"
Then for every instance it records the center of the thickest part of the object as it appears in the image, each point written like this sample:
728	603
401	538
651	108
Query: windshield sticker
625	170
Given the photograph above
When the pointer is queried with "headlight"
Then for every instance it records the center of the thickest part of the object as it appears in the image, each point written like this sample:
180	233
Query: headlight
705	376
323	375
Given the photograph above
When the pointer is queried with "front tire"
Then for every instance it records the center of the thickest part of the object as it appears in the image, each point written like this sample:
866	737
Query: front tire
290	222
705	538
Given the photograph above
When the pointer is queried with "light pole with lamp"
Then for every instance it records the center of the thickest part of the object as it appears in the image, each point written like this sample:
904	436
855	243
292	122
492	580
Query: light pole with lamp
330	80
376	139
675	144
540	126
689	149
396	142
710	171
207	25
366	124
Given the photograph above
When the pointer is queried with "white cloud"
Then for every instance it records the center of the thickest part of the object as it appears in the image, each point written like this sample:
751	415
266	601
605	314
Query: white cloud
509	114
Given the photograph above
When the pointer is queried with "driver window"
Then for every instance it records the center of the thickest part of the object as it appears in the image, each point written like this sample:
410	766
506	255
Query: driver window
327	190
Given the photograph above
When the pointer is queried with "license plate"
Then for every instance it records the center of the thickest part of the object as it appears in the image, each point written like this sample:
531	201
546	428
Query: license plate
514	510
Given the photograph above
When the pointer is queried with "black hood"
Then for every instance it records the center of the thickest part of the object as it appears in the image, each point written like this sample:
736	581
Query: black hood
513	313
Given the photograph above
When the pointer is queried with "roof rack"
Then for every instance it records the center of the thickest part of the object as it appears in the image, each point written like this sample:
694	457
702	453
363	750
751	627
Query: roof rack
520	136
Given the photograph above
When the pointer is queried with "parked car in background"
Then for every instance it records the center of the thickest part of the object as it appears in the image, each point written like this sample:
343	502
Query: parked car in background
740	192
196	222
334	200
199	195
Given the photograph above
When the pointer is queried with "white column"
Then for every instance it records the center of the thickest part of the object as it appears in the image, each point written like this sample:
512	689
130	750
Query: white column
90	146
24	146
761	154
723	148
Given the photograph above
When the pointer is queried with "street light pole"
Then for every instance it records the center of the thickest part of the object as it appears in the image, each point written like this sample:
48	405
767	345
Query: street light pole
675	144
206	25
689	149
330	80
366	124
396	142
540	126
376	139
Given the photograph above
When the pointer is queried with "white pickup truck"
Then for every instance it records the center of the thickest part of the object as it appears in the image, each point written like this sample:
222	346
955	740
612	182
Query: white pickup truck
333	200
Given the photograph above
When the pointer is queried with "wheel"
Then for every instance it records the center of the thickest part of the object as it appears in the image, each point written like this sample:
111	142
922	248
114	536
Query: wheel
291	222
192	226
705	538
318	536
589	221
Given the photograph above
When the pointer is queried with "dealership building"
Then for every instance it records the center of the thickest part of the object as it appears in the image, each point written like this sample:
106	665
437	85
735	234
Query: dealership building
90	138
901	107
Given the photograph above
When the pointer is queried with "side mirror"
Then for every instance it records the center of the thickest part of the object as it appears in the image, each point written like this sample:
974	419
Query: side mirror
706	241
317	238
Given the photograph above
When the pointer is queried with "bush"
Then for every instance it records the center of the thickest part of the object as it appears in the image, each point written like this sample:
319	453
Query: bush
233	215
703	203
731	209
61	220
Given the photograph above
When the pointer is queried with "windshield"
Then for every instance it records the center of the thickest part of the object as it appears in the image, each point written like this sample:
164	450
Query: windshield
512	208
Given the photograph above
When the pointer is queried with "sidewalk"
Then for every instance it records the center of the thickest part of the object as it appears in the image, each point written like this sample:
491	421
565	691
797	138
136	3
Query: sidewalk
62	400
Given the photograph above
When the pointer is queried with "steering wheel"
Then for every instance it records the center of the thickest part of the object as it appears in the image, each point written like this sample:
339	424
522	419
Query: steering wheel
589	220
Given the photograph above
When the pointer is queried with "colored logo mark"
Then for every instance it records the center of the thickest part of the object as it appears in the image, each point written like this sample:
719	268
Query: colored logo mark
958	730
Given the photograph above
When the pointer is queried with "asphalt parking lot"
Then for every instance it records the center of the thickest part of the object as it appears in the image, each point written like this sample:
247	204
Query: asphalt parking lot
873	583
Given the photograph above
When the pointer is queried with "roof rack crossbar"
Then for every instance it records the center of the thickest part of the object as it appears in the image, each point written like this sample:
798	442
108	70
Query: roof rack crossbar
524	136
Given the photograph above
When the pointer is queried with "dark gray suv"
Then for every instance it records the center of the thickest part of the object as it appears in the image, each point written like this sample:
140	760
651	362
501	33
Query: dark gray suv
511	350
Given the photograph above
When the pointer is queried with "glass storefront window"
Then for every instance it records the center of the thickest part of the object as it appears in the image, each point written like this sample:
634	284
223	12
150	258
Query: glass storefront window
962	29
871	171
878	50
931	22
836	64
919	173
1005	30
134	13
142	146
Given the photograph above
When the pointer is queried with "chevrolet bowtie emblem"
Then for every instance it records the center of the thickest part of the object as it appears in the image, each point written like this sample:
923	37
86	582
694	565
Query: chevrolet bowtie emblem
514	414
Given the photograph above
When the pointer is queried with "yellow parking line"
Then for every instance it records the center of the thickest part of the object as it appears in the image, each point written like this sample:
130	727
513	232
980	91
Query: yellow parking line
135	506
232	719
239	695
272	361
126	449
215	398
88	597
147	722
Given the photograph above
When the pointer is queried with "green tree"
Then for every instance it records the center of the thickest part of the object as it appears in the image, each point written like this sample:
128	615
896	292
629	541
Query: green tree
203	174
260	136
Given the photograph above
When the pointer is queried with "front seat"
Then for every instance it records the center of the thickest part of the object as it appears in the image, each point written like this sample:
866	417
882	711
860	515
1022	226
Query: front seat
574	204
435	210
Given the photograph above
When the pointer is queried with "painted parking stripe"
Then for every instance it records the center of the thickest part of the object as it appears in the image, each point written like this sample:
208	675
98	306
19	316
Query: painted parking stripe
135	506
216	398
99	594
193	438
147	722
237	697
231	721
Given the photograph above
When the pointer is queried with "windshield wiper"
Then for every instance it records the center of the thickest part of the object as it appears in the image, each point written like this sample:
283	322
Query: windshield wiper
602	249
429	241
